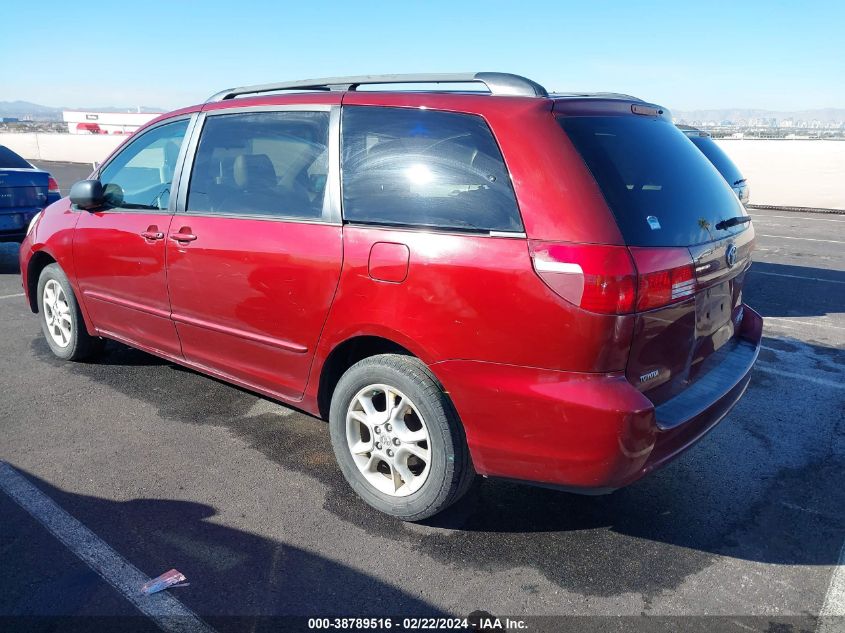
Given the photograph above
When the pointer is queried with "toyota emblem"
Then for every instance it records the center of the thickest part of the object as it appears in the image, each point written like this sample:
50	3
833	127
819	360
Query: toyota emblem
730	255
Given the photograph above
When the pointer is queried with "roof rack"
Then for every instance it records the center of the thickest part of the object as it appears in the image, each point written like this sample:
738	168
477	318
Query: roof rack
595	95
497	83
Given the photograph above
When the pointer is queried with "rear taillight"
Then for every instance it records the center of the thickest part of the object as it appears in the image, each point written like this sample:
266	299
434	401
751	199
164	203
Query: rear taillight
598	278
665	276
615	279
52	185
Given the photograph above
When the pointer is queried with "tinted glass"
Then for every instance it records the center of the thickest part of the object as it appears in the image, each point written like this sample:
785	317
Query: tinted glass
262	163
414	167
10	160
661	189
141	175
717	156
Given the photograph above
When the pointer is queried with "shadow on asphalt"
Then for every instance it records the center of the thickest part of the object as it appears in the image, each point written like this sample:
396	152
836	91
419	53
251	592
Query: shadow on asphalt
765	486
231	572
740	496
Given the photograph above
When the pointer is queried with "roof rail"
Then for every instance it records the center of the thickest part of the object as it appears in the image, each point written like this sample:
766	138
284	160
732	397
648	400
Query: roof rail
497	83
594	95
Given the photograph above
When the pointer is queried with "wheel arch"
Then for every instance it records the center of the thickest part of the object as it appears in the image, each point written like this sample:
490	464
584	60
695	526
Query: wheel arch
346	354
38	262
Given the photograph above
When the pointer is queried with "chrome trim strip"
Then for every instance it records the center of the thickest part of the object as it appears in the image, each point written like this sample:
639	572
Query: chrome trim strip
332	201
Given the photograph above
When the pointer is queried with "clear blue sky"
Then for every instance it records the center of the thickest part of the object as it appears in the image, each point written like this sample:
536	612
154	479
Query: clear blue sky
685	55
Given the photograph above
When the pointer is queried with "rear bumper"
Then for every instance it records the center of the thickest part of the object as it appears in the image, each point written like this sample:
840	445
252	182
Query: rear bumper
589	433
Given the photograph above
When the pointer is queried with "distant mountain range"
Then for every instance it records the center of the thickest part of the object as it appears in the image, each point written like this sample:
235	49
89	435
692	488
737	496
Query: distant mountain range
825	115
24	109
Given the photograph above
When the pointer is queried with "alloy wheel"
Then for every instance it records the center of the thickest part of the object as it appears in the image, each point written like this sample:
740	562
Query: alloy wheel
389	440
57	313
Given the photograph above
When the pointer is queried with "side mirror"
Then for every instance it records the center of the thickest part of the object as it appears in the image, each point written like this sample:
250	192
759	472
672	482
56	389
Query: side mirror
88	194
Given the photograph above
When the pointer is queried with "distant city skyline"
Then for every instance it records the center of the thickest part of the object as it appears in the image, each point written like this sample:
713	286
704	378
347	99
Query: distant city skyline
686	56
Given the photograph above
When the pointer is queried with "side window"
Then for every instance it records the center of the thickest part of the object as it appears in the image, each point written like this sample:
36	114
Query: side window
141	175
424	168
261	163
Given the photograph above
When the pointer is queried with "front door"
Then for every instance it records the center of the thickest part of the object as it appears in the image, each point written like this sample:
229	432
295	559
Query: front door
119	251
255	248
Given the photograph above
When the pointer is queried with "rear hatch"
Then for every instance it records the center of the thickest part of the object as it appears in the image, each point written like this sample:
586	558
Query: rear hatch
688	235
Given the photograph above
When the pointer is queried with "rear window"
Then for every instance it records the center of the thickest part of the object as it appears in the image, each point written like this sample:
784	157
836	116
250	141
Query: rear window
424	168
719	159
10	160
661	189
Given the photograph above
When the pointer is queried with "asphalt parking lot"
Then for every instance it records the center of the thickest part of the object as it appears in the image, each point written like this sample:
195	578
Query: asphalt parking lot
170	468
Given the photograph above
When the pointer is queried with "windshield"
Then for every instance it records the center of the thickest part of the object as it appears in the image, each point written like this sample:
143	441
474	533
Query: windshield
718	157
661	189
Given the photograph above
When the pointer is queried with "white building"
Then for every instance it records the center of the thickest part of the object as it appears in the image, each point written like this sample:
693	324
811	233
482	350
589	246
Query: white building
105	122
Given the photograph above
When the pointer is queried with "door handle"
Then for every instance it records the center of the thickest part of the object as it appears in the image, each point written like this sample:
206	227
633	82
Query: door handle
187	236
152	233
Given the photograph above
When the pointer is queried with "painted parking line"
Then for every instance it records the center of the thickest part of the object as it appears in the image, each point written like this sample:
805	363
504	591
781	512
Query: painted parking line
19	294
806	239
832	614
778	321
162	608
760	216
805	377
830	281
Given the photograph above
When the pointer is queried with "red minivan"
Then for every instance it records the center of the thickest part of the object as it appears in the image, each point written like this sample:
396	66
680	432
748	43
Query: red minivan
540	287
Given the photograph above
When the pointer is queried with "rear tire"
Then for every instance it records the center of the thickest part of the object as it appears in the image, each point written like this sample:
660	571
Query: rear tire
61	318
397	438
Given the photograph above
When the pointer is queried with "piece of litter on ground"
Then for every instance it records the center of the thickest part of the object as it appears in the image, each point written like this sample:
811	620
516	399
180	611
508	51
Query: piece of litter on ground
167	579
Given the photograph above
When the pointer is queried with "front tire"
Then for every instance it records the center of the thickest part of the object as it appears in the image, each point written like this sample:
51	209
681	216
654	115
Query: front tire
397	437
61	318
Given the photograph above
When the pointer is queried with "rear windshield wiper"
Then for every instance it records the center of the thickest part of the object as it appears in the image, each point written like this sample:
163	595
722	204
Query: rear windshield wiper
726	224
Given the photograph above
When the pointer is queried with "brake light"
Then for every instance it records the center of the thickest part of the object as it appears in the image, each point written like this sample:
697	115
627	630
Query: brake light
665	276
598	278
52	185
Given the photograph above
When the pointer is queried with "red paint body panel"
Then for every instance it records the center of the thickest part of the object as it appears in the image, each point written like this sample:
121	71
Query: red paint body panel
471	297
253	307
584	432
545	389
122	279
573	429
53	235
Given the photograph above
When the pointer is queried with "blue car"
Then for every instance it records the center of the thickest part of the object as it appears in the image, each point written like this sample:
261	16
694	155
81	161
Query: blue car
725	166
24	191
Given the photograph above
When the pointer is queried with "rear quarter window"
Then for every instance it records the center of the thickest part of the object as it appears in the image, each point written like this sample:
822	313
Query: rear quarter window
414	167
661	189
